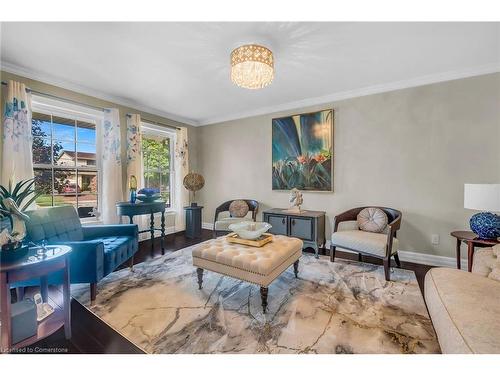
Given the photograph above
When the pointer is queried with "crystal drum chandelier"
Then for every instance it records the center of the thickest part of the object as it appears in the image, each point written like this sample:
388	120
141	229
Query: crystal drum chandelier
252	66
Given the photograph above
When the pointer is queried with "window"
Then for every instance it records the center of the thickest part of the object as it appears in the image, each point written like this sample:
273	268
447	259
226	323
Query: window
157	147
65	159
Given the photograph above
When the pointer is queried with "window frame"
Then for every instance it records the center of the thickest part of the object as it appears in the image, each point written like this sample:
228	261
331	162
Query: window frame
163	132
58	108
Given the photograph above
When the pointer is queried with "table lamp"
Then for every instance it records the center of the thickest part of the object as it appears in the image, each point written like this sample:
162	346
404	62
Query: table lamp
483	197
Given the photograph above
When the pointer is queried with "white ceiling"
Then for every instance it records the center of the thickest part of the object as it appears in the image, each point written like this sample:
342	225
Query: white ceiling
181	70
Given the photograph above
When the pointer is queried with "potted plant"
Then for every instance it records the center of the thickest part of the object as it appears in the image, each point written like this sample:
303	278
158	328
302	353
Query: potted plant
13	201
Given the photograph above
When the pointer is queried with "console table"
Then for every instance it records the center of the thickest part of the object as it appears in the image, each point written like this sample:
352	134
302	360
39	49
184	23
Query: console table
54	258
145	208
472	241
309	226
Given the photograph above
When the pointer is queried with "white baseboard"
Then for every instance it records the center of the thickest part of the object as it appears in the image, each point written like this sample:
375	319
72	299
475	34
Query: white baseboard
146	236
431	260
421	258
208	226
404	256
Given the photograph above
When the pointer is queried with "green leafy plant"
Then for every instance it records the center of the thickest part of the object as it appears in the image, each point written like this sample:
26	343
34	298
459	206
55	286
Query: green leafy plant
23	193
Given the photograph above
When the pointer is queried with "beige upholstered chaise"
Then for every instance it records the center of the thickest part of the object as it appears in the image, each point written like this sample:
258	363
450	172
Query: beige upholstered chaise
257	265
465	307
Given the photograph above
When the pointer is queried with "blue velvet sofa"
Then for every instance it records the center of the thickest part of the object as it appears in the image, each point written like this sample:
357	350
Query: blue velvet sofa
97	250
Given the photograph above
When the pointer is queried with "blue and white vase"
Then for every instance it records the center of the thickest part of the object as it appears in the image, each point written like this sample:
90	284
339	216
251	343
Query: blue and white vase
486	225
133	196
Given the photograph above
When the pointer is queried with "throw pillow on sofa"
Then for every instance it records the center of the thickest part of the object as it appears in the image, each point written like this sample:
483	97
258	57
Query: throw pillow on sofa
372	219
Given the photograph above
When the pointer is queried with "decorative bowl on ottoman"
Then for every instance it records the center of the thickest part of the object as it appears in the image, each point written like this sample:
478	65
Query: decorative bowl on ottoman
250	230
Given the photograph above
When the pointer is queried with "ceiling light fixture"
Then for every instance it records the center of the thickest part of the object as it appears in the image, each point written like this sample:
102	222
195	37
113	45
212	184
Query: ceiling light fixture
252	66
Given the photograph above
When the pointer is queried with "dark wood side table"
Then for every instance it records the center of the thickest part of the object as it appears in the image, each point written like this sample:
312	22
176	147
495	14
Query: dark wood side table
55	258
472	241
308	225
193	221
143	208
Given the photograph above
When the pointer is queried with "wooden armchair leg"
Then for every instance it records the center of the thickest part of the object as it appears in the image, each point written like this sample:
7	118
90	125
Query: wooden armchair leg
396	259
332	253
387	268
93	291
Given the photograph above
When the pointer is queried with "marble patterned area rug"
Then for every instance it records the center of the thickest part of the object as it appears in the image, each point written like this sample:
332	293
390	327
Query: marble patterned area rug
341	307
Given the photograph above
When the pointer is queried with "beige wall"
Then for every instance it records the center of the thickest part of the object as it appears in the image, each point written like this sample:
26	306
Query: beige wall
89	100
410	149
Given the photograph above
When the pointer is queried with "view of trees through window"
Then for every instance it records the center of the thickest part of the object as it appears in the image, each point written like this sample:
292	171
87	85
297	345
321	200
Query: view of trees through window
156	160
64	159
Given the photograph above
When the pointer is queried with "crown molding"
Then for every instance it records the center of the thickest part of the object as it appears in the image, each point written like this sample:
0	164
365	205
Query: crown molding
320	100
369	90
55	81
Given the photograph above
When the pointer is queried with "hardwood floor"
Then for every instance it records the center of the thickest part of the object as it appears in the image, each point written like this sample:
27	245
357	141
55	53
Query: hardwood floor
93	336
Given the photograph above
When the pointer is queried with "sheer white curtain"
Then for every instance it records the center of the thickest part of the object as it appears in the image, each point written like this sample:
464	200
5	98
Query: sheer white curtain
17	157
112	191
181	165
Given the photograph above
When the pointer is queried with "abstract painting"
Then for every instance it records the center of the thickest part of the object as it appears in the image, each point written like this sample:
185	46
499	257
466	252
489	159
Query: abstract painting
303	151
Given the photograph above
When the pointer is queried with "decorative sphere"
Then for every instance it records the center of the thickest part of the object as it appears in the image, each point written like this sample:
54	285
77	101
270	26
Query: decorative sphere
193	181
486	225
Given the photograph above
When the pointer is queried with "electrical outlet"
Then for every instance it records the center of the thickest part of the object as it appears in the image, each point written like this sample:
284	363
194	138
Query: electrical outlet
435	239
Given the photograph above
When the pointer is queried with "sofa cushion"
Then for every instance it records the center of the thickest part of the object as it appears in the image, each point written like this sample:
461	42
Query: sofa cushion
238	208
372	219
367	242
223	224
116	251
465	310
54	224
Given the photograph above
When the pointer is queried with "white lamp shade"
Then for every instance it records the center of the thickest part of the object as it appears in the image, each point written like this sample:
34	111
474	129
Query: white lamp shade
482	197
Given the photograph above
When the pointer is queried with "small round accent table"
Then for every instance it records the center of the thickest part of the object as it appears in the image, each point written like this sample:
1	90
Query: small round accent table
472	241
54	258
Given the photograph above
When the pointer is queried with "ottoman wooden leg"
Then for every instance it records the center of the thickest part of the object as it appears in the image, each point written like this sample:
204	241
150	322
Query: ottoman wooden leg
200	277
263	296
296	268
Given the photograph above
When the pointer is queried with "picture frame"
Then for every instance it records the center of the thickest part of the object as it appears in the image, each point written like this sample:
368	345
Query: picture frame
302	151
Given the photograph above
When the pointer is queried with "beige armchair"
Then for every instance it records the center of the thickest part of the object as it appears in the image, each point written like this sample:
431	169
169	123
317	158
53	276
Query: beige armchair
221	225
379	245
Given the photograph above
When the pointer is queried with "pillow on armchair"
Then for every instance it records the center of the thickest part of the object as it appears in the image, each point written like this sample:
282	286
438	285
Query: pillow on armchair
372	219
238	208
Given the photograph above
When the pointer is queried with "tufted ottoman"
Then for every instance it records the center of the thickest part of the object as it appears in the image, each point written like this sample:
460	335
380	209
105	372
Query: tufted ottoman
257	265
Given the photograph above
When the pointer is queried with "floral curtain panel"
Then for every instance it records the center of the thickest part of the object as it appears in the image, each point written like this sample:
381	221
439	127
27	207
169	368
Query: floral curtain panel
112	191
181	165
134	150
135	164
17	159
